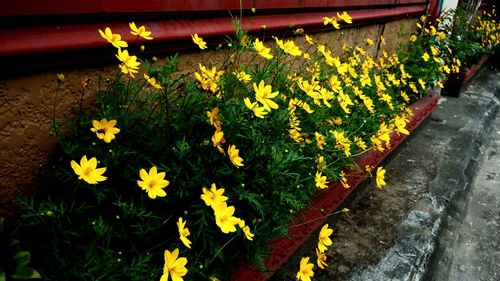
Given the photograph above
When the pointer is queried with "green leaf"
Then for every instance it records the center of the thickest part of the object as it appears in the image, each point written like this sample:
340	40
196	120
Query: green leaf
24	272
2	275
22	258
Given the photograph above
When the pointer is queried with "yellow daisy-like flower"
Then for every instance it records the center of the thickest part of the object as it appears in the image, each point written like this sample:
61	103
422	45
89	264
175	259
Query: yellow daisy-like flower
218	140
152	81
264	95
324	238
332	20
129	65
174	266
288	47
141	31
105	130
321	260
306	270
199	41
345	17
243	76
113	38
214	119
426	57
246	230
153	182
321	181
259	111
183	232
309	40
400	123
88	171
380	178
224	218
233	152
320	140
262	50
214	196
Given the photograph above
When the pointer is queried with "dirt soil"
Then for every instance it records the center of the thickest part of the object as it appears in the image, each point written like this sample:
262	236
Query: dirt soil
373	221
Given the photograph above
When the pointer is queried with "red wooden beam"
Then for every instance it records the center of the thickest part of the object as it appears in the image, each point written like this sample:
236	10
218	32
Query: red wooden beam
45	7
64	38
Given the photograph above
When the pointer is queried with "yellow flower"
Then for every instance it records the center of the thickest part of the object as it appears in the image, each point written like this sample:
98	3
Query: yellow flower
218	140
249	235
332	20
321	181
264	95
114	39
380	178
246	230
360	143
88	171
345	17
289	47
233	152
153	182
214	119
425	56
343	180
320	140
324	238
199	41
224	218
306	270
105	130
259	111
342	142
400	123
129	65
320	162
214	196
174	266
243	77
60	77
152	81
309	40
382	39
183	233
321	260
369	42
422	83
141	31
413	38
262	50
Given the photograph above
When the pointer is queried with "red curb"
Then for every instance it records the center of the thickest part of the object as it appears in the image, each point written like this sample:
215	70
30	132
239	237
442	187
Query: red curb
326	201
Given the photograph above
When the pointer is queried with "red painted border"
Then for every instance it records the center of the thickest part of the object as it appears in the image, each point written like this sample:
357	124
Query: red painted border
475	67
326	201
41	7
65	38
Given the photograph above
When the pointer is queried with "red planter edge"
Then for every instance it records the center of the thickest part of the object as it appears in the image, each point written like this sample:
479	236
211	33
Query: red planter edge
326	201
475	67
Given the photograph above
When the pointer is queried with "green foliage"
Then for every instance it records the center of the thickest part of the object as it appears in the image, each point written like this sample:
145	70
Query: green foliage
13	261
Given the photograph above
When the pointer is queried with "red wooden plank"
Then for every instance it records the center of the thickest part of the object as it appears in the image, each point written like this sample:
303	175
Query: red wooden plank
39	7
330	199
54	39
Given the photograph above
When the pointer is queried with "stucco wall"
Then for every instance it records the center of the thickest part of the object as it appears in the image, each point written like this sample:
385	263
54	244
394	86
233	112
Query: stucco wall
26	107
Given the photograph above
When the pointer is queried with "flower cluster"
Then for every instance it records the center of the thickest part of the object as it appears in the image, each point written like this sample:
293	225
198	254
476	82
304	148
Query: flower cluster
274	123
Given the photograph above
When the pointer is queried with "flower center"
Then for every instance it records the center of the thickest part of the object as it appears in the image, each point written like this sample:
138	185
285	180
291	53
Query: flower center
87	171
152	184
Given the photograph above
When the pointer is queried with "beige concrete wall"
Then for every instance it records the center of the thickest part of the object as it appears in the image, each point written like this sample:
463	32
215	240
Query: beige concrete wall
26	106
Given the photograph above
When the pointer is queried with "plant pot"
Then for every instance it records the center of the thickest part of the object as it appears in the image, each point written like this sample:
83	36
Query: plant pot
455	81
326	201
